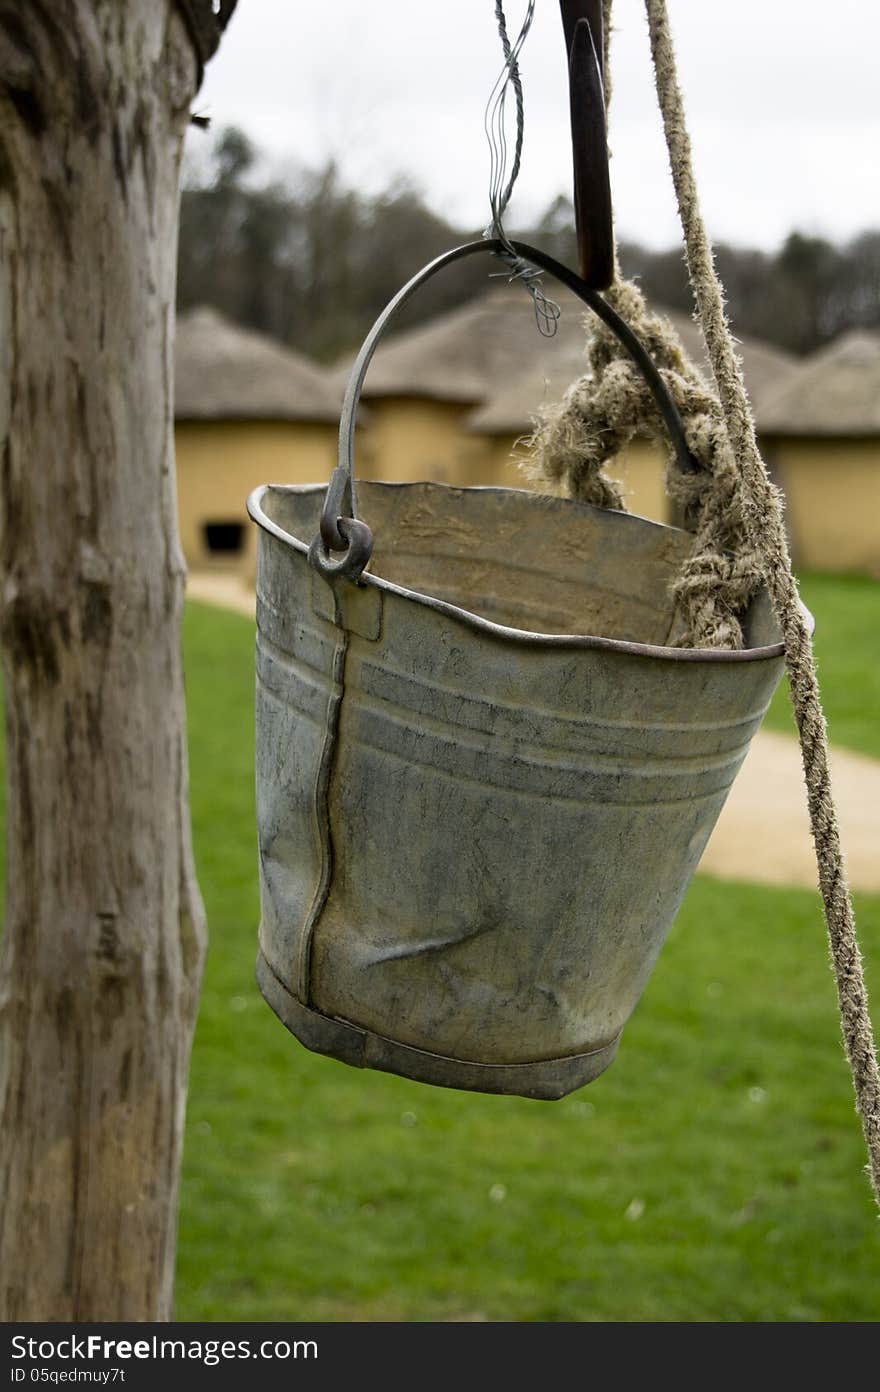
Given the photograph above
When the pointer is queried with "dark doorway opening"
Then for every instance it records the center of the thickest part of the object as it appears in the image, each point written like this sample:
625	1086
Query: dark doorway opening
224	538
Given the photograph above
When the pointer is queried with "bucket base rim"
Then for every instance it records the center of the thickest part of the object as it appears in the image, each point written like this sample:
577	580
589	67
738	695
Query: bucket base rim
545	1079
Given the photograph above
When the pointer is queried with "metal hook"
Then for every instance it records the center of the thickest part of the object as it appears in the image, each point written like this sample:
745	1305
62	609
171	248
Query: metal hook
582	24
358	541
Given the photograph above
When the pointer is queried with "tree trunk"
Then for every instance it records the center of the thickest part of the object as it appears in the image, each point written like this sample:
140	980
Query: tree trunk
104	931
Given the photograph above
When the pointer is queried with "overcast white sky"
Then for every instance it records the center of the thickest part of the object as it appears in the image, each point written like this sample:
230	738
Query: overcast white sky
783	100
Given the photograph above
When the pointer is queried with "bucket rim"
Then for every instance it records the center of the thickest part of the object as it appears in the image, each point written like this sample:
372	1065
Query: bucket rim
523	637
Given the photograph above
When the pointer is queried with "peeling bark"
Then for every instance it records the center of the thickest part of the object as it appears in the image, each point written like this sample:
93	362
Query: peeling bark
104	932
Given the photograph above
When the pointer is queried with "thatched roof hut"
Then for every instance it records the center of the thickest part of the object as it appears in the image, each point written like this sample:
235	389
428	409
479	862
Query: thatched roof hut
490	353
509	408
835	391
461	355
821	437
225	372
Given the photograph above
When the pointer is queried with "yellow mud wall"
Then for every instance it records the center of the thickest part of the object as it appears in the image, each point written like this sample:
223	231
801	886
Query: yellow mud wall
220	462
640	469
411	439
832	492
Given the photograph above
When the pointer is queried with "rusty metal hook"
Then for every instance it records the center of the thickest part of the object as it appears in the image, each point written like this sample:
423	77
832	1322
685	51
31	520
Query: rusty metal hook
582	25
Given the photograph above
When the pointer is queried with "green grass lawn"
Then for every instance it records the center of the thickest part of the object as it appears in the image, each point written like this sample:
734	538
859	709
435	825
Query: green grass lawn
847	643
713	1173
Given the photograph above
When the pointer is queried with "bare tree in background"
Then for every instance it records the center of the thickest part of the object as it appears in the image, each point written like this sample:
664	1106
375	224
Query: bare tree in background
104	931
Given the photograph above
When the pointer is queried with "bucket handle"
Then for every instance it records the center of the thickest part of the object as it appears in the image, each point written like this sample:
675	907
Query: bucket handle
341	529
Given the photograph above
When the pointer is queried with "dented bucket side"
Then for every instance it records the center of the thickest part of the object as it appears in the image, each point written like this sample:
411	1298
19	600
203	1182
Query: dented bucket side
471	847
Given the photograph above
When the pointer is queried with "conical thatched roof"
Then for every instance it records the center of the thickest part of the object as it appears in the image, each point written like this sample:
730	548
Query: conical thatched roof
225	372
835	391
489	353
463	354
548	368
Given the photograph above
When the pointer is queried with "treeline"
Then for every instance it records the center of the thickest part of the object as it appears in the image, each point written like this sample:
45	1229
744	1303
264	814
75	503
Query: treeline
313	263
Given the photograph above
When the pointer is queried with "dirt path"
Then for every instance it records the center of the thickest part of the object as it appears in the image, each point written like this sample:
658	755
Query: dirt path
763	833
227	591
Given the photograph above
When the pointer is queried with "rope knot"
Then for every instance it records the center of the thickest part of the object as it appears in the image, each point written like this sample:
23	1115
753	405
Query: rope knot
575	441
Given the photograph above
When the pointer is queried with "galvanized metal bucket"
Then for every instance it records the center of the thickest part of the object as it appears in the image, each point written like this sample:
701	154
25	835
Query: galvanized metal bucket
485	776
